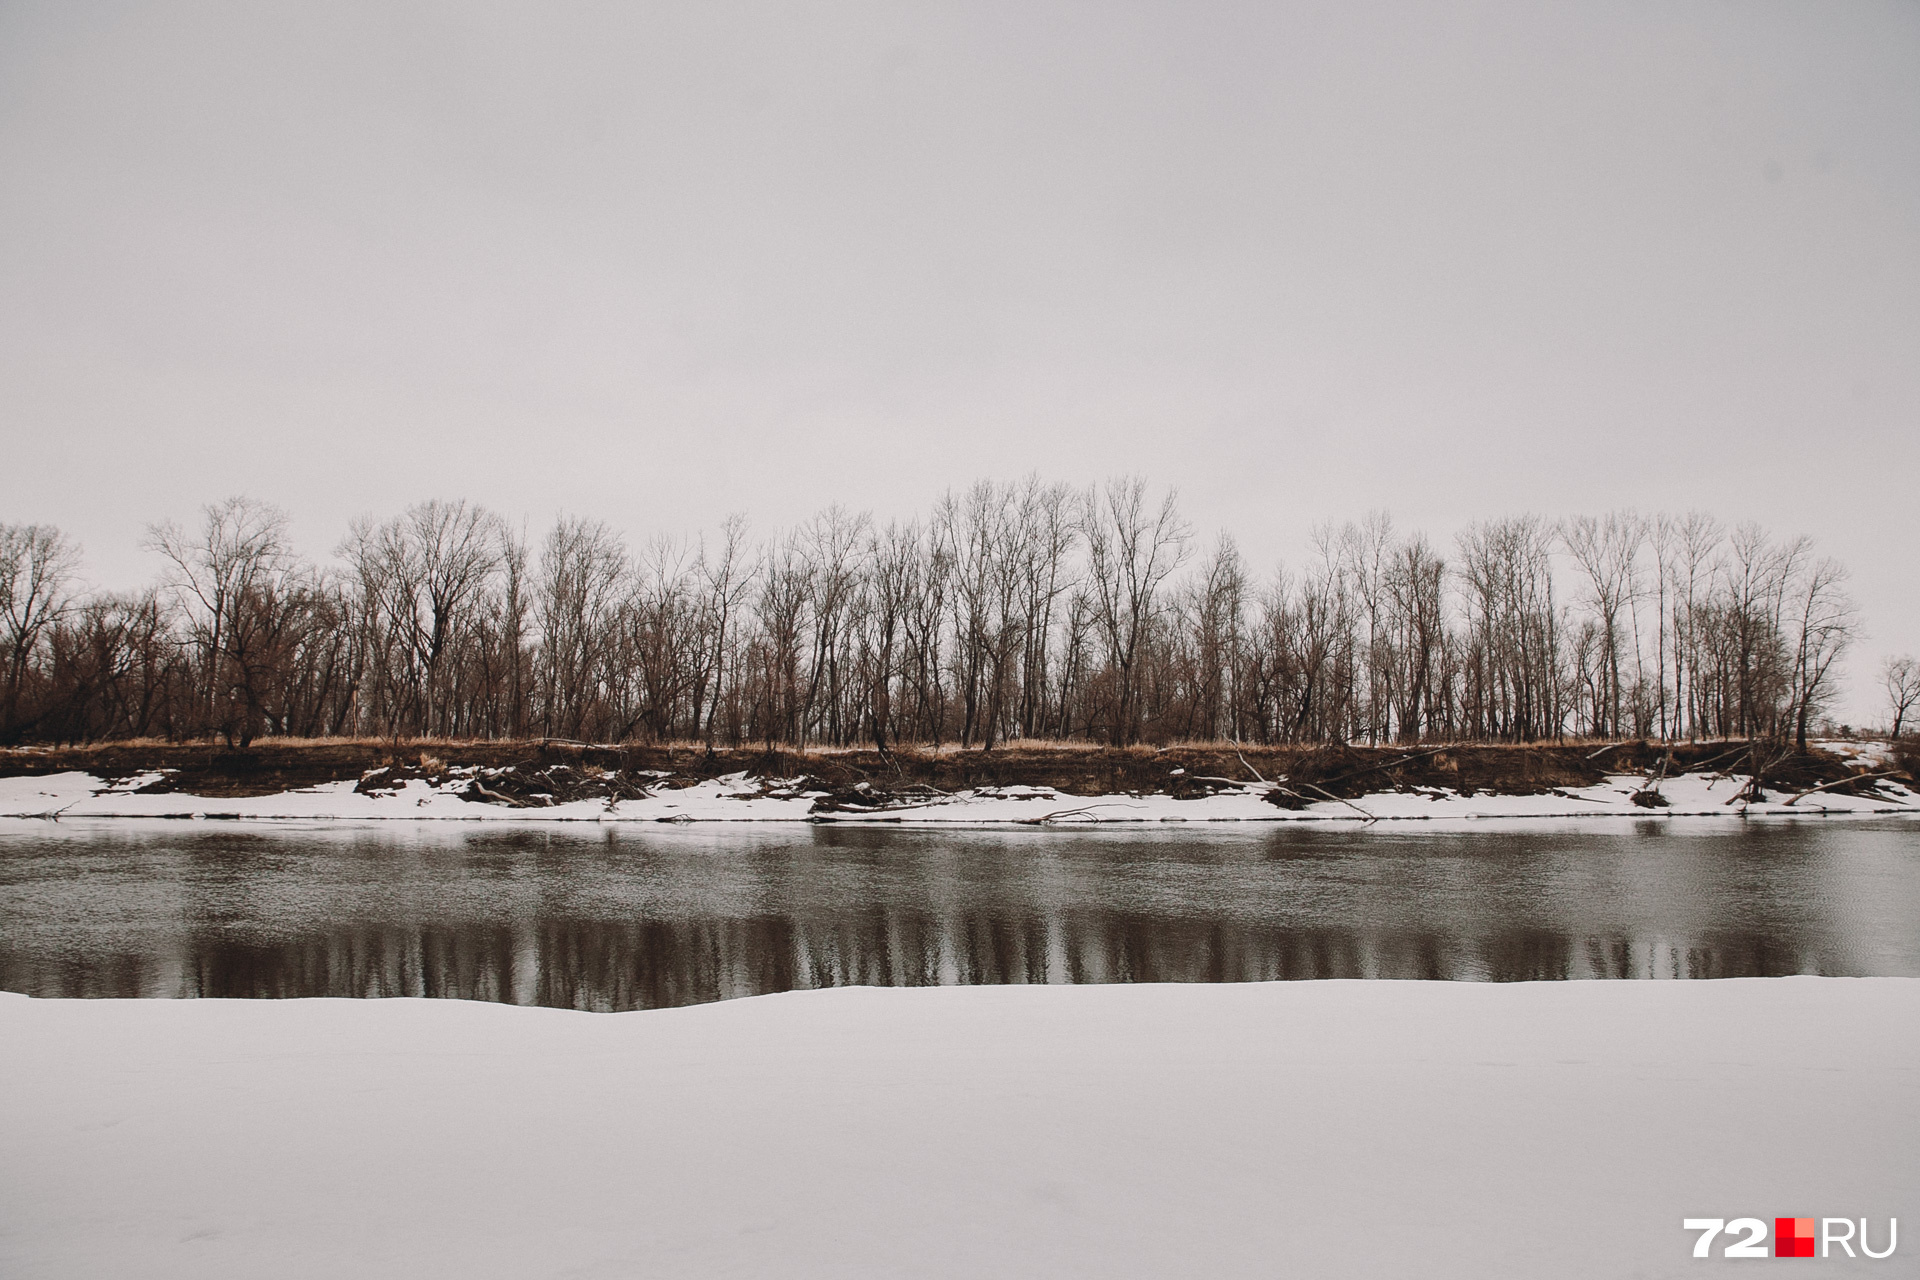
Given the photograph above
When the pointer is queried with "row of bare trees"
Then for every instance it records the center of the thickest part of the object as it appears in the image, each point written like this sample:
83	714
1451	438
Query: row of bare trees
1013	610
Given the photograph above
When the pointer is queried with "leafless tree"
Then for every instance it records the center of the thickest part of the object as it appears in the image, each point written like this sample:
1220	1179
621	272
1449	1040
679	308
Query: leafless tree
1824	623
1752	618
780	612
37	564
236	579
1691	570
726	579
1900	680
113	670
1363	551
583	579
1215	618
896	554
428	573
1416	583
1016	609
509	674
1606	551
1514	627
1132	549
1047	538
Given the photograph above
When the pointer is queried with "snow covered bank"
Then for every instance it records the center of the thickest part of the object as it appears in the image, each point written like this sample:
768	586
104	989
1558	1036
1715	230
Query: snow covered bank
1313	1129
740	798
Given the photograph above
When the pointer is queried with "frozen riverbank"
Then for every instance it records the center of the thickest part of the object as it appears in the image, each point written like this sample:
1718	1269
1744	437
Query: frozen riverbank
1341	1128
744	798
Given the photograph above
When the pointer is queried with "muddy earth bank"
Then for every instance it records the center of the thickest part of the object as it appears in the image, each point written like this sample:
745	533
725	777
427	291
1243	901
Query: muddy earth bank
548	772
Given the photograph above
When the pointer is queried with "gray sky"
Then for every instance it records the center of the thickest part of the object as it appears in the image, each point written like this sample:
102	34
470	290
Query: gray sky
656	263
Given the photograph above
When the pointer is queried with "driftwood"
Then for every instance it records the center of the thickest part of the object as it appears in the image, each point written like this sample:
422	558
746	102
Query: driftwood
1841	782
500	797
1752	792
1648	796
1700	766
1243	760
1337	800
1045	818
885	807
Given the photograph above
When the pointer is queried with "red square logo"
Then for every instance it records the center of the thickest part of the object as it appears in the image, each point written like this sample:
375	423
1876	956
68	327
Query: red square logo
1793	1237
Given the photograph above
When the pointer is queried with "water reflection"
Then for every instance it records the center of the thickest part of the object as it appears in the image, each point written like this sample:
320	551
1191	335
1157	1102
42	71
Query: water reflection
611	920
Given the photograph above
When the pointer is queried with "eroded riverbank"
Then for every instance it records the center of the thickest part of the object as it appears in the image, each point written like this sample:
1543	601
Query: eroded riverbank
1024	786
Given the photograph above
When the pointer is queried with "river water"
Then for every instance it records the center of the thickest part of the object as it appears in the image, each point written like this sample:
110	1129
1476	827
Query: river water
606	917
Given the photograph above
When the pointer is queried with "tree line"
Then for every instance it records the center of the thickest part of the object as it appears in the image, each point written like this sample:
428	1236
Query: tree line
1011	610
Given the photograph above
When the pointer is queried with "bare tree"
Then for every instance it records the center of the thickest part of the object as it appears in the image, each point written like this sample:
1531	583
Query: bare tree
1364	550
780	611
831	543
37	564
1512	646
1606	551
234	577
1132	549
1013	611
512	683
112	670
1415	582
896	579
1900	679
583	570
1047	541
1216	613
988	532
1824	625
1752	619
924	664
725	580
430	570
1691	573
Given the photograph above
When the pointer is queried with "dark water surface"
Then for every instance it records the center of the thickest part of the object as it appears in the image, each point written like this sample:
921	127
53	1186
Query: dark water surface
602	917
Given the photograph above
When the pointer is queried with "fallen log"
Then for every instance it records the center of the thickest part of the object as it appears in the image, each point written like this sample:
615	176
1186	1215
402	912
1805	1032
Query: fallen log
1045	818
1350	804
499	797
1841	782
1243	760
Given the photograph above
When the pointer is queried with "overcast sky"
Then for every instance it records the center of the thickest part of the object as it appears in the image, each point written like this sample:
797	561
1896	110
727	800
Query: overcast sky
655	263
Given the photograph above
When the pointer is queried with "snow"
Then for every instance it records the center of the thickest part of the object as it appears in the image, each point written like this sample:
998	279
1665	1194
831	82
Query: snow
737	798
1314	1129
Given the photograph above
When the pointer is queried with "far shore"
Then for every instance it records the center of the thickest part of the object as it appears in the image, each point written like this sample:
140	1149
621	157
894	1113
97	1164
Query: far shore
1032	784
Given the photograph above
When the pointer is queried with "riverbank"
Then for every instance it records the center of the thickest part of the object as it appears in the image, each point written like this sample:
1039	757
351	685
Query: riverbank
1036	786
1336	1128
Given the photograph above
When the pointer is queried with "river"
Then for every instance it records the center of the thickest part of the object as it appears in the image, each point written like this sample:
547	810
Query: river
613	918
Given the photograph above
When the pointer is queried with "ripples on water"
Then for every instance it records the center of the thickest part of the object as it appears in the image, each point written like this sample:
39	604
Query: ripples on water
632	918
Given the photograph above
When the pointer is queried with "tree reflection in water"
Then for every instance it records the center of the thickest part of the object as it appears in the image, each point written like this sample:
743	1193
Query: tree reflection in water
640	920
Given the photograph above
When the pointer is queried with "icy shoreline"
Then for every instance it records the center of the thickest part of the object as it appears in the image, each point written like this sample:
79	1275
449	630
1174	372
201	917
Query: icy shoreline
1308	1128
740	798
